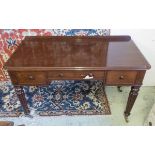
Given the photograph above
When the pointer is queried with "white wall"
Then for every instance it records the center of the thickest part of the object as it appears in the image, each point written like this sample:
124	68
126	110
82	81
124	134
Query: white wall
145	41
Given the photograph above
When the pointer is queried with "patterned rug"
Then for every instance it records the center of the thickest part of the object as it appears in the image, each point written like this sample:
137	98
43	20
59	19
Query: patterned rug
58	98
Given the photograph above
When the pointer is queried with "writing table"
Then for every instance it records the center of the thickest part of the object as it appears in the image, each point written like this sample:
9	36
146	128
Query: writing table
113	59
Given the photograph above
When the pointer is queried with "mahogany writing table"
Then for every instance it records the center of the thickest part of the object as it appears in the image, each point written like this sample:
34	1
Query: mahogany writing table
113	59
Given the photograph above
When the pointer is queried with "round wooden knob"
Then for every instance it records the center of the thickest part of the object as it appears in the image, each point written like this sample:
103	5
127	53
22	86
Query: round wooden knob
31	77
121	77
61	75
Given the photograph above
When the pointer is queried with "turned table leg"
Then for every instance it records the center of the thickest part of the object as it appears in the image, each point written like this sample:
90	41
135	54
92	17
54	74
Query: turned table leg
131	100
21	96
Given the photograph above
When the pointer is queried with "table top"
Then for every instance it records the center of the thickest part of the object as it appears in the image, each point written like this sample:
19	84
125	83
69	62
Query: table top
77	52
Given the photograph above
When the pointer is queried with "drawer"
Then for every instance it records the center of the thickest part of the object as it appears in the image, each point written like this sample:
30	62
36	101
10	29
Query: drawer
30	78
121	77
75	75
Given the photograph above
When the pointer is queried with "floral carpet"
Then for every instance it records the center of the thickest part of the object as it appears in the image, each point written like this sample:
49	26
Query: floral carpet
59	98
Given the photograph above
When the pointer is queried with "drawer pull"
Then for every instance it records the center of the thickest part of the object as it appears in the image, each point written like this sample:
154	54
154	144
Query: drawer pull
31	77
61	75
121	77
89	76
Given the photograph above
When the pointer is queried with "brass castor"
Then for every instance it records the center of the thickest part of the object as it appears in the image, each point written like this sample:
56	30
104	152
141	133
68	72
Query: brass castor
119	89
126	117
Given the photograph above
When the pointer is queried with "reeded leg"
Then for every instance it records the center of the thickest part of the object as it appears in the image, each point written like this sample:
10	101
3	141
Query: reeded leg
20	93
131	100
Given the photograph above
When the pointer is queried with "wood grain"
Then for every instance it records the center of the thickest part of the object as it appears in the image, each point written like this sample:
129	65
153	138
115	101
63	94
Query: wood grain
115	60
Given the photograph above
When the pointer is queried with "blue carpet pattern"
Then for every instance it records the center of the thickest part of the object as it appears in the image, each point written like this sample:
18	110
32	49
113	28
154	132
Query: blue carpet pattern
58	98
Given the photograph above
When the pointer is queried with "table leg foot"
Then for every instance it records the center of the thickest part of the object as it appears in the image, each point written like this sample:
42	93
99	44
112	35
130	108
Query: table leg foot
131	100
126	117
21	96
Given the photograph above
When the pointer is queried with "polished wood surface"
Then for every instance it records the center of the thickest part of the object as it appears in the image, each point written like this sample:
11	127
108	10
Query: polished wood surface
115	60
72	53
121	77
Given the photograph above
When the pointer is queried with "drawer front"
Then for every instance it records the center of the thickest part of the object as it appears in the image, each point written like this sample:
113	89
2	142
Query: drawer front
121	77
75	75
30	78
